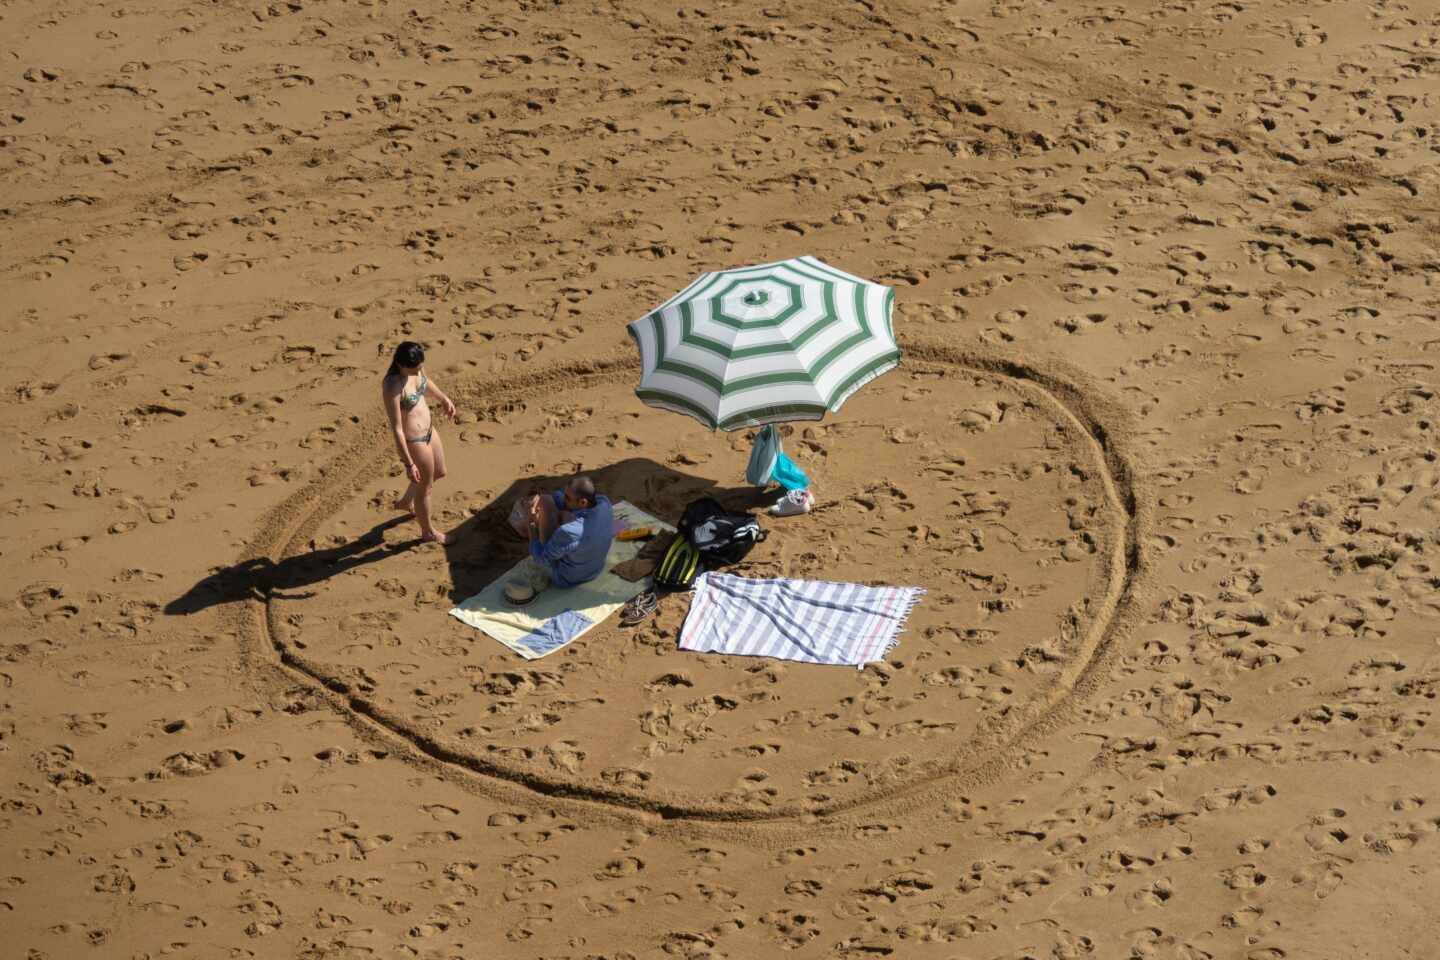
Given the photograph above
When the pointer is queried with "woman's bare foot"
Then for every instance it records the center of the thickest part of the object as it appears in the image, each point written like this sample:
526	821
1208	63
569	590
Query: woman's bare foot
404	506
435	537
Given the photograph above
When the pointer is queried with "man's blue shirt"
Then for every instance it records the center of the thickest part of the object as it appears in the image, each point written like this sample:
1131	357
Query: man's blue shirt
576	551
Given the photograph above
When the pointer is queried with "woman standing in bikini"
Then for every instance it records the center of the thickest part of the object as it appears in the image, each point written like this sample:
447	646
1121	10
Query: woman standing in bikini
421	453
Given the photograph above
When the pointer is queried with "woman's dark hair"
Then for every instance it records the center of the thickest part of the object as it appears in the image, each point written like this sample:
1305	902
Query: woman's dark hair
408	354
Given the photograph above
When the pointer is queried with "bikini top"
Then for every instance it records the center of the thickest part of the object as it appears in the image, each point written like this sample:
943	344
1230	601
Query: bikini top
408	400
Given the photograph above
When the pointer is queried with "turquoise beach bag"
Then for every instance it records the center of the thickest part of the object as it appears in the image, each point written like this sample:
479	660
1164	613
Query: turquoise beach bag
788	474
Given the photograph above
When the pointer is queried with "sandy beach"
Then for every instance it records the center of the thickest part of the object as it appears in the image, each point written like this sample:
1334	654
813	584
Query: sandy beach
1163	453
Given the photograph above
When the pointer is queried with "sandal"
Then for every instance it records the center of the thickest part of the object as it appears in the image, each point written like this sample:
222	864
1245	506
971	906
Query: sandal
638	608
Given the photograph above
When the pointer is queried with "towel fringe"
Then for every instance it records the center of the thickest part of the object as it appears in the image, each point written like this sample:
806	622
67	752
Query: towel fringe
911	600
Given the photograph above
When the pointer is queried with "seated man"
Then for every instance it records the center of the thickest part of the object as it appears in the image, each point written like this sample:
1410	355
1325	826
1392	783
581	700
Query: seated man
569	532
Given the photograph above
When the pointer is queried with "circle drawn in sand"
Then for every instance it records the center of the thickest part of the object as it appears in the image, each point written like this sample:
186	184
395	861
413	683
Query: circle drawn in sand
1015	510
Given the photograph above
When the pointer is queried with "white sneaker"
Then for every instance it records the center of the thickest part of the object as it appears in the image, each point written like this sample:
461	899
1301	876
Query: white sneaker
793	504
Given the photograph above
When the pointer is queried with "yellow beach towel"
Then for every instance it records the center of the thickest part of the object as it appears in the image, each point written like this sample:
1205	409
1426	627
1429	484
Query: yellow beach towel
558	615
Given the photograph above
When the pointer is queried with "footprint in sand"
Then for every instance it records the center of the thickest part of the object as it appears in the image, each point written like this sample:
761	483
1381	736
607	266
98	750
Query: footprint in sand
702	719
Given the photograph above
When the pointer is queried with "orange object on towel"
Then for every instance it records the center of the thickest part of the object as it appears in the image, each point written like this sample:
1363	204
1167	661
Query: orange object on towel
636	533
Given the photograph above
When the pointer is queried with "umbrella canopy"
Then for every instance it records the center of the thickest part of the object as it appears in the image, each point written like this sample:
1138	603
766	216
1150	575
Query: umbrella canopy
780	341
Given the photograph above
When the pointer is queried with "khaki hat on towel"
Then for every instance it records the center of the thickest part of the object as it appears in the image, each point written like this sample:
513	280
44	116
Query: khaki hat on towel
519	593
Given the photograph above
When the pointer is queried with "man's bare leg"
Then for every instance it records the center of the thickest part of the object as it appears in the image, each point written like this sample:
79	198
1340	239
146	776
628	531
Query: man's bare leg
520	516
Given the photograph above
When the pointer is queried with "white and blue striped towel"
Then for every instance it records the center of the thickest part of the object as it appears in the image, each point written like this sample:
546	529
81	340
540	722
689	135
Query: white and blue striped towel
813	621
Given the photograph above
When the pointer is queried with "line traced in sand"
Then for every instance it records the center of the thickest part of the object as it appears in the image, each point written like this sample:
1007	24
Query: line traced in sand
986	758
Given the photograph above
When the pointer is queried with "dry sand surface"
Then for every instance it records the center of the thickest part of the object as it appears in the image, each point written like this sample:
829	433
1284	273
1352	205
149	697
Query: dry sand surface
1163	452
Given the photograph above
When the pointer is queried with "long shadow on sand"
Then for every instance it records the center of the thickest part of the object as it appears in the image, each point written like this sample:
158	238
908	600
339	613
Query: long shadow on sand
479	550
261	578
484	547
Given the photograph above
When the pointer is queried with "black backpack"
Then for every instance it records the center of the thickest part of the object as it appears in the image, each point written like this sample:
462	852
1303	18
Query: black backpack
718	535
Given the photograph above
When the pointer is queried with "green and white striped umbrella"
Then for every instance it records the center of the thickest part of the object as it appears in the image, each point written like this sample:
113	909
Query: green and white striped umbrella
764	344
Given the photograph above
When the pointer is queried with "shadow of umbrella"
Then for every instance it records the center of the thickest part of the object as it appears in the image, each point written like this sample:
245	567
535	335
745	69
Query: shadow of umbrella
261	578
479	550
484	547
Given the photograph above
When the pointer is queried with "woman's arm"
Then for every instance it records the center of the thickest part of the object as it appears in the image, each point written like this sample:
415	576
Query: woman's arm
392	410
446	404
